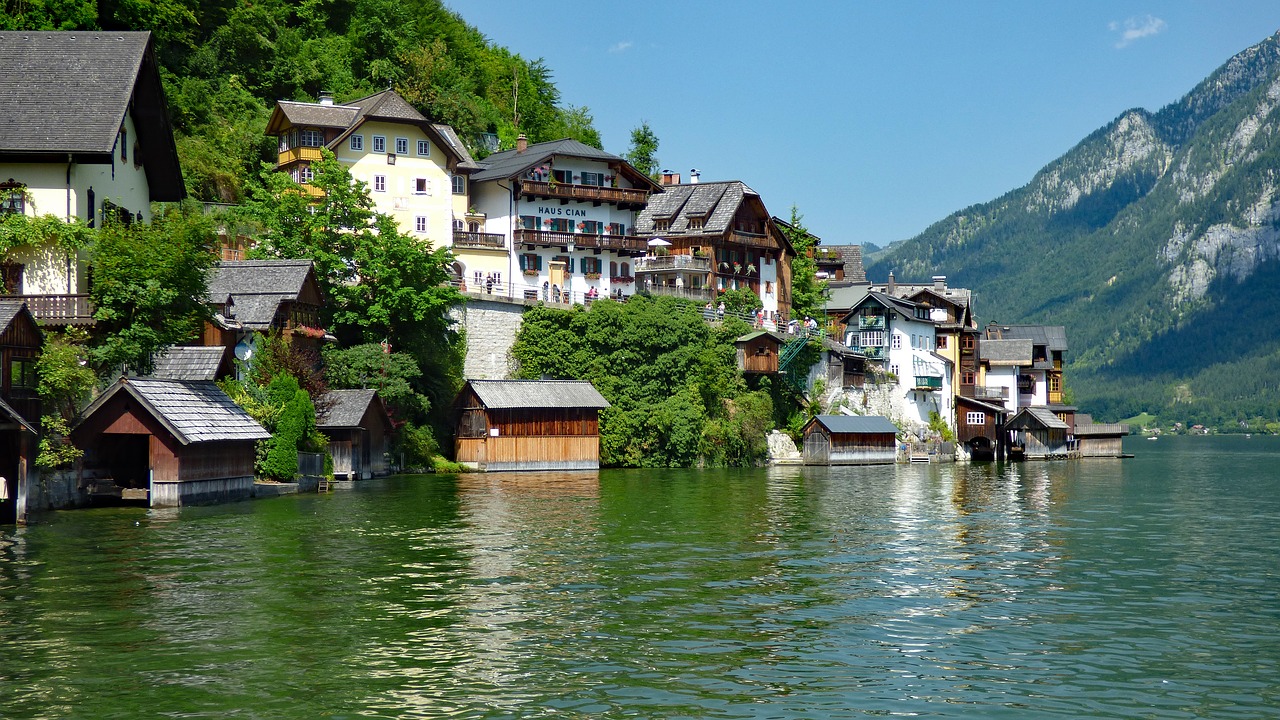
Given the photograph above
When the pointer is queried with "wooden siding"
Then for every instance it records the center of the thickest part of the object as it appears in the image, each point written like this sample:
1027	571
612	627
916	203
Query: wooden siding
758	355
1105	446
212	460
541	422
823	448
555	452
201	492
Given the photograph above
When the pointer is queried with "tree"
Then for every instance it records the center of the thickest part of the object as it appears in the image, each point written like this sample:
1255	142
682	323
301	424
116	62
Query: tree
149	288
371	366
65	381
643	154
808	294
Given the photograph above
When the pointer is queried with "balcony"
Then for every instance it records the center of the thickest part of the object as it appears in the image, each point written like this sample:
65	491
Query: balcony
60	309
875	322
873	352
667	263
928	382
293	155
622	243
998	394
479	240
750	239
587	193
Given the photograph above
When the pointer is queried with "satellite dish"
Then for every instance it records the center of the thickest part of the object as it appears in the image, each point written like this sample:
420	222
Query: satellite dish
244	349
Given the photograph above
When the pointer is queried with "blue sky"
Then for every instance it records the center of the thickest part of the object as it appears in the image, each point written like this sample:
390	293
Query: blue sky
875	119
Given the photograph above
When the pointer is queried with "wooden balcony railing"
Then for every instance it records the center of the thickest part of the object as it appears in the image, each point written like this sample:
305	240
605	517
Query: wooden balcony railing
298	153
590	193
751	239
60	309
629	243
483	241
655	263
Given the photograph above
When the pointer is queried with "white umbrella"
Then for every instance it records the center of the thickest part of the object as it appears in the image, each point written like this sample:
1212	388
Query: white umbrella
658	242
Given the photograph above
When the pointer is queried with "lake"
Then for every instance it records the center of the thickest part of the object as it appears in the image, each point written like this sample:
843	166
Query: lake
1147	587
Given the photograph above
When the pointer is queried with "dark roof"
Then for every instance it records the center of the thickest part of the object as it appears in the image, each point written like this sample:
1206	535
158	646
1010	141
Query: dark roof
11	309
990	407
1005	352
844	296
188	363
7	411
852	256
318	115
346	408
193	411
1052	336
495	394
257	287
510	163
902	306
67	93
757	333
857	424
1093	429
1032	416
716	202
451	138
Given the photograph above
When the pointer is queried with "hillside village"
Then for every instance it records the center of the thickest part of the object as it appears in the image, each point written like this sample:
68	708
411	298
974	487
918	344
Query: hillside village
558	224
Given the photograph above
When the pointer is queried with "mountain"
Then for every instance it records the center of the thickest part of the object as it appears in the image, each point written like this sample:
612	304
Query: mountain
1156	241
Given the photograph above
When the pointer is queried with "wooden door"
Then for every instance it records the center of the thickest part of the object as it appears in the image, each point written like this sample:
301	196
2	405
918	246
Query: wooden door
558	280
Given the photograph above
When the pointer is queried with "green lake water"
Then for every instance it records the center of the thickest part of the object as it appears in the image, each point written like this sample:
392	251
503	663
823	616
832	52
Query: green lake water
1147	587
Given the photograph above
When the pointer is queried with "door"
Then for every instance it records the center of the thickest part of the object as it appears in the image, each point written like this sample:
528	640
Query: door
559	293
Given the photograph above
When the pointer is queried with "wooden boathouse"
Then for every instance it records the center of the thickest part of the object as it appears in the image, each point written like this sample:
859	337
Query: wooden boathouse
757	352
359	428
1099	440
168	442
1036	433
529	425
20	341
850	440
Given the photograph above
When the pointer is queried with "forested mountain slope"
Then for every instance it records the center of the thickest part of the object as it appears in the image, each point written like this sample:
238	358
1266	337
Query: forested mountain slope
226	62
1156	241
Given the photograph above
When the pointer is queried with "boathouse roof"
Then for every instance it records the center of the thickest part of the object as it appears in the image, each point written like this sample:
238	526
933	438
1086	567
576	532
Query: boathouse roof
856	424
510	394
193	411
346	408
1036	416
188	363
87	81
7	414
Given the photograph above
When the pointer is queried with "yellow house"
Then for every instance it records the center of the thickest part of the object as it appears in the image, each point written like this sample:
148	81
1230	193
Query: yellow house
79	145
414	169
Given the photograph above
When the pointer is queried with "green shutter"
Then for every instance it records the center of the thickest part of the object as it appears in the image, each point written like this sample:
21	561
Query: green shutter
524	262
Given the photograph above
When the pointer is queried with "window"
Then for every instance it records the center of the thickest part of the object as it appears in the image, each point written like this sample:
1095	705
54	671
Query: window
306	174
975	418
942	342
531	263
966	342
424	148
590	178
379	183
379	143
458	225
402	146
13	198
528	222
661	225
626	269
421	186
420	224
1055	383
563	176
311	138
356	142
591	227
967	377
459	185
613	269
124	144
695	223
915	341
561	225
22	373
897	342
872	338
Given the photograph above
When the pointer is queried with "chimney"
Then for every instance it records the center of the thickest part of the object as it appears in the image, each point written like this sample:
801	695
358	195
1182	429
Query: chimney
522	143
940	283
670	178
890	286
693	176
326	98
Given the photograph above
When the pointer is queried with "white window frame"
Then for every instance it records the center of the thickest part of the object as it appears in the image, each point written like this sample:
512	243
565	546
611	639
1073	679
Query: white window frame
897	341
421	186
975	418
356	143
871	338
402	146
459	184
379	183
306	175
424	148
379	143
310	138
420	223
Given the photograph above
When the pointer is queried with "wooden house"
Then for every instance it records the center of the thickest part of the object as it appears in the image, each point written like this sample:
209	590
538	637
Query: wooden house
978	427
168	442
529	425
850	440
758	352
262	296
20	342
1036	433
1099	439
359	429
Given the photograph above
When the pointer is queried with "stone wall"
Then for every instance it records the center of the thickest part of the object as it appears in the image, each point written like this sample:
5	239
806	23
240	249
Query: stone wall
491	327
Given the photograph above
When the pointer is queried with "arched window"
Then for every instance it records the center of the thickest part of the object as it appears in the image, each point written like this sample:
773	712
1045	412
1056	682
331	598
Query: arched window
626	269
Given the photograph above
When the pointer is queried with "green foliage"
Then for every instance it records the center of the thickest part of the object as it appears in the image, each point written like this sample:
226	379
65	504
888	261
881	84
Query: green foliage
807	292
643	154
939	426
417	444
64	383
55	449
391	374
149	287
27	231
742	301
676	395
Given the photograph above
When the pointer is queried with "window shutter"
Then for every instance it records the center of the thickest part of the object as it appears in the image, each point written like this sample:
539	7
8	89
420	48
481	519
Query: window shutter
524	262
539	262
570	266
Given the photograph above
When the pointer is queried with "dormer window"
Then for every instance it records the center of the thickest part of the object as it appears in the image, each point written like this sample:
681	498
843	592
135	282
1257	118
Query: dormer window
696	221
661	225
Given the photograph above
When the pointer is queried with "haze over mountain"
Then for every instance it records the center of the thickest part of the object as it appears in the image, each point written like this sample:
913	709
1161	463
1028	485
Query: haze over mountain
1155	240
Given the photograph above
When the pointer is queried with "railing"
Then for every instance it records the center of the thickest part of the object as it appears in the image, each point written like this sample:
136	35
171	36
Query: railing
462	238
60	309
298	153
928	382
875	322
752	239
630	243
655	263
873	352
684	292
593	193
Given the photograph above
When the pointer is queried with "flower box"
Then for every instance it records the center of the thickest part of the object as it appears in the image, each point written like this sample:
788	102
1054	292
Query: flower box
592	276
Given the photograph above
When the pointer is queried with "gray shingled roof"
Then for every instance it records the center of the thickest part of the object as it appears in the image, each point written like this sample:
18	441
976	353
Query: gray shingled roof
387	105
1005	352
852	256
1052	336
502	394
716	202
9	310
68	92
188	363
861	424
451	138
317	115
346	408
1041	416
509	163
257	287
193	411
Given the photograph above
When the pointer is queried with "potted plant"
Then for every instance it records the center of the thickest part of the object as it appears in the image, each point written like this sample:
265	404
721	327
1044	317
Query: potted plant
592	276
531	272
